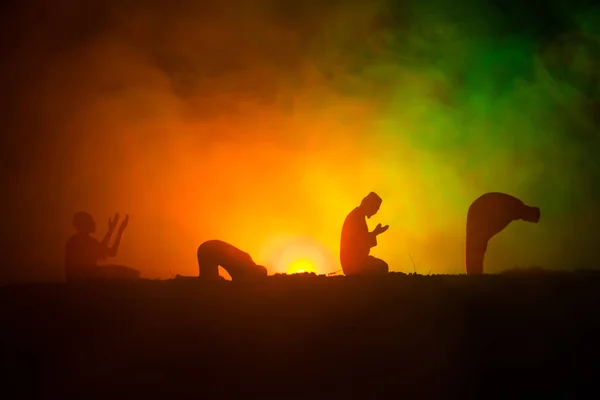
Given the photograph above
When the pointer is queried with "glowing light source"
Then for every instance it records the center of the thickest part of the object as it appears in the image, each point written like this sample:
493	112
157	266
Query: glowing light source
302	265
299	255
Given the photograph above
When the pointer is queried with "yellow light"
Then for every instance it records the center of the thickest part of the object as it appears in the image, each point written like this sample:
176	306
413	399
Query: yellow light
297	254
301	266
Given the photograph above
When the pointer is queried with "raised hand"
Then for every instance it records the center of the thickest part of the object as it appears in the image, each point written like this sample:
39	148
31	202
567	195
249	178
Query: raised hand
124	224
112	223
380	229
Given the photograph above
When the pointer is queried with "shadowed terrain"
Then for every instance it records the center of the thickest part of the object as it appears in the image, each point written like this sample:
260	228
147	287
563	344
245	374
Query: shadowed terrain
305	336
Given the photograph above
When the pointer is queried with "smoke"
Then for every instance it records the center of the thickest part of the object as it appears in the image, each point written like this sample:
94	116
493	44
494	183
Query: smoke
252	122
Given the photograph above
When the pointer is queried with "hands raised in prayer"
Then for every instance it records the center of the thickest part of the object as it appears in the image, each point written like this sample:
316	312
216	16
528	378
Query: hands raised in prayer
380	229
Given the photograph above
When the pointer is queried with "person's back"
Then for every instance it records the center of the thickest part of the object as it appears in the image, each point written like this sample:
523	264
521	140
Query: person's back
488	215
355	244
239	264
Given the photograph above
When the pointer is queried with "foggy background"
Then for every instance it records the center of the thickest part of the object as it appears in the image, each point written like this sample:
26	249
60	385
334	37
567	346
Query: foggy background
263	123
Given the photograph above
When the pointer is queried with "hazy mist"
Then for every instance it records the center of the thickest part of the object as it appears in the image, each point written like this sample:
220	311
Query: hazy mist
263	123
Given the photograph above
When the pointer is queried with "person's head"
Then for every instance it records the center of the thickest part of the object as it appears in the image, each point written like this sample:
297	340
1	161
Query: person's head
531	214
370	204
262	270
84	222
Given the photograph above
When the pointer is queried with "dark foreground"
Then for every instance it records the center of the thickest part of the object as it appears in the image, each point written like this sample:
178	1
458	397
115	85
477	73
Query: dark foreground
305	337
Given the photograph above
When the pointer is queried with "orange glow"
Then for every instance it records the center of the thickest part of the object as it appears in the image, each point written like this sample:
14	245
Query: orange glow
270	160
240	124
299	255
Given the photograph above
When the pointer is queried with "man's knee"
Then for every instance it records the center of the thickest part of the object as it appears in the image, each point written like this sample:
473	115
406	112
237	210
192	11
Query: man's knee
378	265
81	274
128	273
371	266
119	272
384	267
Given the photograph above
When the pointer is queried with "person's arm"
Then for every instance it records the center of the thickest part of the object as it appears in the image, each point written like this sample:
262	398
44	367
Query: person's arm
360	234
376	232
112	250
112	224
372	239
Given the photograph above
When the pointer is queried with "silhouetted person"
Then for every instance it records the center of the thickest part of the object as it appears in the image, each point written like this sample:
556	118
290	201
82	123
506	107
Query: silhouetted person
357	241
487	216
83	252
240	266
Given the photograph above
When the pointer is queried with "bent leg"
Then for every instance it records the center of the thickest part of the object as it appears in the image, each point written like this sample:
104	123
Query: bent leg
376	266
370	266
119	272
79	274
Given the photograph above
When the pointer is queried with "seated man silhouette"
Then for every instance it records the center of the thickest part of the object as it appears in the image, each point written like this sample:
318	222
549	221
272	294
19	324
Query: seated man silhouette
357	241
487	216
83	252
240	266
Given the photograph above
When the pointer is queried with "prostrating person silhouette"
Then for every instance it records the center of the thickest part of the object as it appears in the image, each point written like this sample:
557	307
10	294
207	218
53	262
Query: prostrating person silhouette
82	251
238	264
488	215
357	241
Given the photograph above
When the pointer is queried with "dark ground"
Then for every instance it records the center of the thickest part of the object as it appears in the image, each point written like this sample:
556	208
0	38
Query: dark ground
305	337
